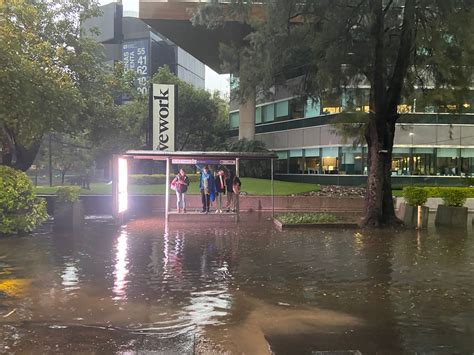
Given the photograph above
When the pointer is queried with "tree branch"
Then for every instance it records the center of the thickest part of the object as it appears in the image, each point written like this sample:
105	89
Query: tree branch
403	58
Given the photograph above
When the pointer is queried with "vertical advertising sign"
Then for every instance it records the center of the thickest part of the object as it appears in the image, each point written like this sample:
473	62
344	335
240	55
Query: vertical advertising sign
135	55
163	104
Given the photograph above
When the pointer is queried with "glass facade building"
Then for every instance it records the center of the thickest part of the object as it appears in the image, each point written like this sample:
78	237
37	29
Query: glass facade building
429	141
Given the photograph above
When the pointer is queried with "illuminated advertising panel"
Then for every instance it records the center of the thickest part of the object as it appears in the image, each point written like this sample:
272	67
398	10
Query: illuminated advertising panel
122	185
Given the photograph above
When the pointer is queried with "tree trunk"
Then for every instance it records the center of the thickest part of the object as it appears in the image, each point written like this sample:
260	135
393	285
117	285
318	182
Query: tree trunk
380	210
18	156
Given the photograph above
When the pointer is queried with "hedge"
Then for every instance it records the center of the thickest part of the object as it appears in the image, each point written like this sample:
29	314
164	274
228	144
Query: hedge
415	196
452	196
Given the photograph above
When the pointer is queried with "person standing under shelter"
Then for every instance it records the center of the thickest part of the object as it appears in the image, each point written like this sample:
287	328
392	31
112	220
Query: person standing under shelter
236	185
220	189
207	187
181	181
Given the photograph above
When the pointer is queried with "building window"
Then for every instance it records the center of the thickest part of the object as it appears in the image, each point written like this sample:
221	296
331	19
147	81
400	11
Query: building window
268	113
234	120
258	115
281	109
312	108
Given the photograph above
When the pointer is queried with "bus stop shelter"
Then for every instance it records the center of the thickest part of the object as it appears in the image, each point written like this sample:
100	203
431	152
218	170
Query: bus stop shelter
120	171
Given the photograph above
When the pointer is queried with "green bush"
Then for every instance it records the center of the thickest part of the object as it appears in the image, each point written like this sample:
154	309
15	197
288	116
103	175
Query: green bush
155	179
303	218
454	196
416	196
68	193
20	210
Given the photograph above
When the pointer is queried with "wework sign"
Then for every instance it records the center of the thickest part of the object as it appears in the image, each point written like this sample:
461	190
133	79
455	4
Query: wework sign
164	106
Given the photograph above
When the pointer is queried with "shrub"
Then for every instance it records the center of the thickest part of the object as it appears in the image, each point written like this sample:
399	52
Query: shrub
20	210
303	218
416	196
454	196
68	193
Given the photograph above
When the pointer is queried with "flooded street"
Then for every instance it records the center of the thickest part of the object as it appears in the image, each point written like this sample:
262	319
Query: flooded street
237	288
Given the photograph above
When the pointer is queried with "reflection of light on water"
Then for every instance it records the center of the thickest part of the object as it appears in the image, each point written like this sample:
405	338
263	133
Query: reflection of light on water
69	276
121	264
207	305
173	258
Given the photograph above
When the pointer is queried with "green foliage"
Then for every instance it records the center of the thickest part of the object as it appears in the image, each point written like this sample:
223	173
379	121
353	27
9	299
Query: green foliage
53	78
454	196
307	218
251	168
202	118
67	194
20	210
416	196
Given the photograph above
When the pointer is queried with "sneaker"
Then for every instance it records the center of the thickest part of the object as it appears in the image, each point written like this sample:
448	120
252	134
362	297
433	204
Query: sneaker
217	211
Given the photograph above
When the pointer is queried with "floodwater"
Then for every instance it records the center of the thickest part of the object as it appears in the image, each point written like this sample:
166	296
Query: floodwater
243	288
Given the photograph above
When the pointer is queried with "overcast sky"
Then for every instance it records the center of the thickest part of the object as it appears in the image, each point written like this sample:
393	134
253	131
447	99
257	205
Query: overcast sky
214	81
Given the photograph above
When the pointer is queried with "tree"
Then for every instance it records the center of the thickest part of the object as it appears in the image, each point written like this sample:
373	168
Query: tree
201	123
52	77
392	45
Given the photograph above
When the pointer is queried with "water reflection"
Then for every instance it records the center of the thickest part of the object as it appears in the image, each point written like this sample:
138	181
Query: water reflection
121	266
246	288
70	275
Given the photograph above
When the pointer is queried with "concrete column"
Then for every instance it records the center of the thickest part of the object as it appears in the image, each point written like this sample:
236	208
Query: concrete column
247	118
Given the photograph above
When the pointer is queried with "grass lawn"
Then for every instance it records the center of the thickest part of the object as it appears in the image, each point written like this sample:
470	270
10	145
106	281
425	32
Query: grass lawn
251	186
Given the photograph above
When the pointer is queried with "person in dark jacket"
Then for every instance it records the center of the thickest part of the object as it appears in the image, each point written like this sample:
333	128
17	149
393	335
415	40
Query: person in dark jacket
233	185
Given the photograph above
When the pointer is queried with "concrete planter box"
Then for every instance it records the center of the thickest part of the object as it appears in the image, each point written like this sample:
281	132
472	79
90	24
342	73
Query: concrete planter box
450	216
409	215
68	216
345	225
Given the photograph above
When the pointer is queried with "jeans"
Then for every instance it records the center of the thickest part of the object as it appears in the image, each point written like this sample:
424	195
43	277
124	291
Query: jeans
219	200
206	201
180	200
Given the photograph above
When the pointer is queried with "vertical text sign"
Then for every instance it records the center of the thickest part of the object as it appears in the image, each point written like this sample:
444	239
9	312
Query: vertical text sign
135	57
164	105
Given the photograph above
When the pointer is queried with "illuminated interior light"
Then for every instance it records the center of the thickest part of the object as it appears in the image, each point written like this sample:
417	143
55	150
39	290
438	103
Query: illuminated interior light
122	185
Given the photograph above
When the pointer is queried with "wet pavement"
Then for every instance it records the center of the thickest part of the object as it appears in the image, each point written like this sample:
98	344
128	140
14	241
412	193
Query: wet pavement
236	287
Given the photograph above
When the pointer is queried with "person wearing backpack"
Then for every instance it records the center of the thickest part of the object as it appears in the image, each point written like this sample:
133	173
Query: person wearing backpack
181	183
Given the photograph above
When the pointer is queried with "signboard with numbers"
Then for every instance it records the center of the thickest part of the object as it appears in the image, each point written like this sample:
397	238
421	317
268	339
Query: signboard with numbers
135	56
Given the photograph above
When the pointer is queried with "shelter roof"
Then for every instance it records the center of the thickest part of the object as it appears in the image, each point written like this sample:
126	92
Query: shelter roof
160	155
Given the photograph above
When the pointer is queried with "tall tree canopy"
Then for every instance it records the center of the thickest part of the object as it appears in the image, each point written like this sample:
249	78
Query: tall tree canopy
52	77
392	45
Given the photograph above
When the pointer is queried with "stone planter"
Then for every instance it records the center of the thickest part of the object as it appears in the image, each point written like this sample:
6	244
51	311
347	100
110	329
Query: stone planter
409	215
68	216
450	216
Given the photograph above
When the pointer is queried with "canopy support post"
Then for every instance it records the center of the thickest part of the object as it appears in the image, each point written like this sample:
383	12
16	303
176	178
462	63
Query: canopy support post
273	188
237	196
167	189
